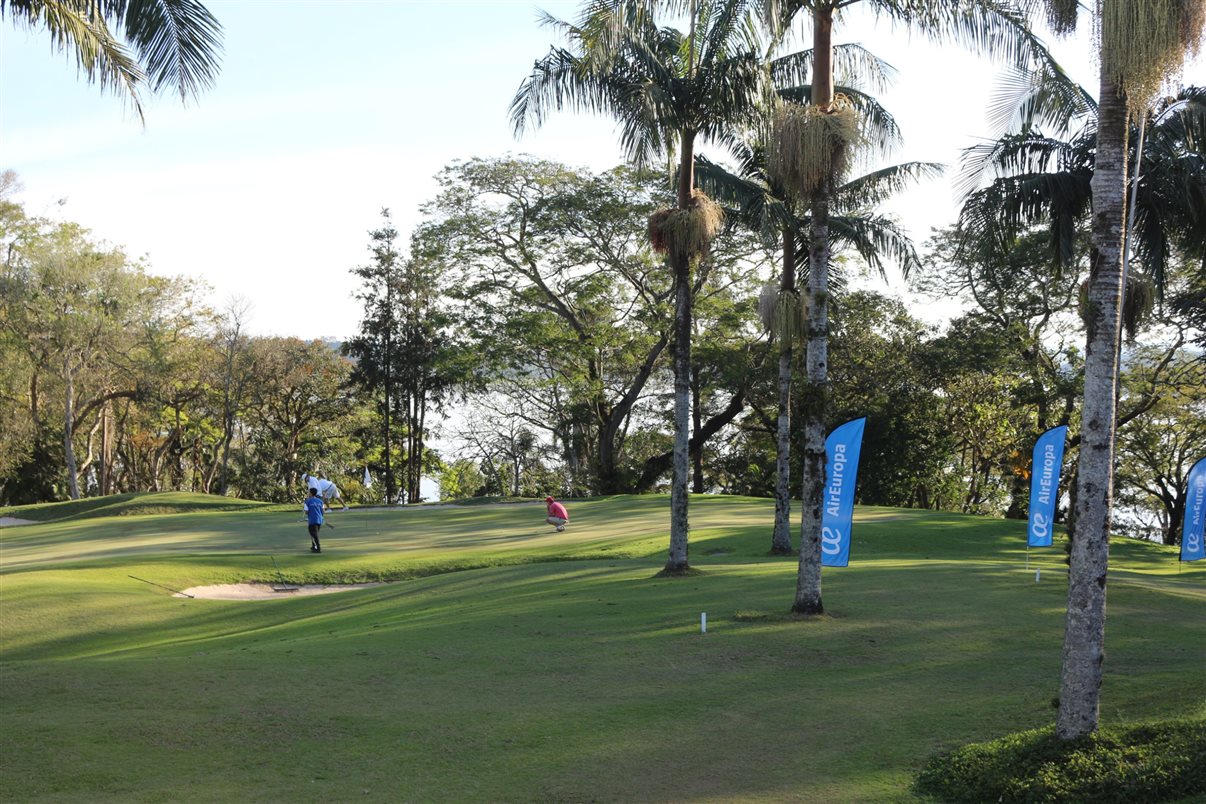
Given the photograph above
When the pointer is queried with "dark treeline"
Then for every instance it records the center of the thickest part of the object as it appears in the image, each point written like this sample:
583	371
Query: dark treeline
530	310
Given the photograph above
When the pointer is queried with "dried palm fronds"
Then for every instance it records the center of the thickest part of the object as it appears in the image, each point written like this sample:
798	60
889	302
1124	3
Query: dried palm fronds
688	231
784	313
809	145
1145	42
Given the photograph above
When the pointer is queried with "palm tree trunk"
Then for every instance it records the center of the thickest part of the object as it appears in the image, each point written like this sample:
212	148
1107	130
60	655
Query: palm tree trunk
781	541
1084	630
677	561
816	409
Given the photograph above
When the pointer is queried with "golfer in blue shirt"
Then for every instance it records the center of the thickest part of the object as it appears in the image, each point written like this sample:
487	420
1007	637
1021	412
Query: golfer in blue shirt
314	519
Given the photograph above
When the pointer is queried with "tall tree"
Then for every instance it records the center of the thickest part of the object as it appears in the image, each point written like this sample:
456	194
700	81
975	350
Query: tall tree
814	147
176	43
1157	450
377	349
233	344
762	203
73	304
563	303
667	88
1140	44
433	361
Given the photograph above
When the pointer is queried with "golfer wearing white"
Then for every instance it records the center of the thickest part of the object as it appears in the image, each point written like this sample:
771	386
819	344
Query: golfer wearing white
327	490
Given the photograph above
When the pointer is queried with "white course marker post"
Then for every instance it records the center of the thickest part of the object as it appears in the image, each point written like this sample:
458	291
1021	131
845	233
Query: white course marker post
703	622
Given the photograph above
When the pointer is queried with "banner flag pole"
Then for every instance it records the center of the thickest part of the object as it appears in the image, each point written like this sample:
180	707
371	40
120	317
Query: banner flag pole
1046	465
842	449
1194	523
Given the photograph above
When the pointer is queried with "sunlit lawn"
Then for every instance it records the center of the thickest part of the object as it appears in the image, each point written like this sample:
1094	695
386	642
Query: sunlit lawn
529	675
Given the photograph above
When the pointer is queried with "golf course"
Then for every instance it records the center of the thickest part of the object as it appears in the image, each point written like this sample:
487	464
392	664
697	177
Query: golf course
497	660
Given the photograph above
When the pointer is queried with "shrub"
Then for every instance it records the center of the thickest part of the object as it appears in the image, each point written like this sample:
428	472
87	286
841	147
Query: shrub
1149	763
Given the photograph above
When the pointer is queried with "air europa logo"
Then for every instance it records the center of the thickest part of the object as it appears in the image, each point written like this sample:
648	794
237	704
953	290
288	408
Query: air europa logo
835	482
831	541
1040	526
1193	535
1047	477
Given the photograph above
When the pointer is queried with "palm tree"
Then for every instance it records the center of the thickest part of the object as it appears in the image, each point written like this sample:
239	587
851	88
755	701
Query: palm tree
667	88
995	28
1140	44
1045	179
176	42
763	204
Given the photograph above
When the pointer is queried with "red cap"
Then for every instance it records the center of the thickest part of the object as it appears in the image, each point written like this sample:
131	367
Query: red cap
548	499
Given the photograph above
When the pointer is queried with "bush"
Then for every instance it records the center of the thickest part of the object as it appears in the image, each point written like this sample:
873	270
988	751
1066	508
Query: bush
1151	763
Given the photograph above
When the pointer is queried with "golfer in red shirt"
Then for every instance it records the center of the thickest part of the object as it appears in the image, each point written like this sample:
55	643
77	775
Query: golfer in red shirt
558	516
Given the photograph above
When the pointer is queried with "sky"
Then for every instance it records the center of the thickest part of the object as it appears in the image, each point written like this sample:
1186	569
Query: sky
326	111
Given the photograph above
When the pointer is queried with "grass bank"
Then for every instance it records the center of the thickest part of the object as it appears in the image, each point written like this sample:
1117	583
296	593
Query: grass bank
535	675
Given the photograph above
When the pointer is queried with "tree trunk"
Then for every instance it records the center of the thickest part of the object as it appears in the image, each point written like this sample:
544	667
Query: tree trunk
73	483
106	451
697	480
389	398
781	540
816	409
677	561
1084	630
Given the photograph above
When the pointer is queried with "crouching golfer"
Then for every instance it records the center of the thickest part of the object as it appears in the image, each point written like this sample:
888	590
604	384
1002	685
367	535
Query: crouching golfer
327	490
558	516
314	519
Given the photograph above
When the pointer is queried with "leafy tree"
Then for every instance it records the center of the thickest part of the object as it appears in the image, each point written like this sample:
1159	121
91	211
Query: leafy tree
762	203
461	478
435	361
1157	450
176	42
298	419
72	304
377	350
1045	179
881	370
667	88
1024	305
561	301
234	348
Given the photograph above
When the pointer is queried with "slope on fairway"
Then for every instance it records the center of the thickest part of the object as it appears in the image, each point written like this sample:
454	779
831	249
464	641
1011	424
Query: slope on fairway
539	677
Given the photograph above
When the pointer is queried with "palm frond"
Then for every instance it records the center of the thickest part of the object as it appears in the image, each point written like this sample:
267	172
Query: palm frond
1022	153
98	54
747	198
873	188
850	62
1046	97
997	30
877	239
178	41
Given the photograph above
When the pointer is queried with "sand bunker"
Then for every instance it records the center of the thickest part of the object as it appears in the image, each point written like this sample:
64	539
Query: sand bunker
265	591
12	521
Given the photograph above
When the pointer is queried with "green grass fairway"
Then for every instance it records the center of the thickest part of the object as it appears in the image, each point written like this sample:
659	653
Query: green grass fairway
506	662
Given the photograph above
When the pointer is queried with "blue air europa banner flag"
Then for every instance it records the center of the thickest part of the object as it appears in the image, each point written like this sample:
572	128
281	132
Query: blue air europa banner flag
837	504
1195	514
1045	467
